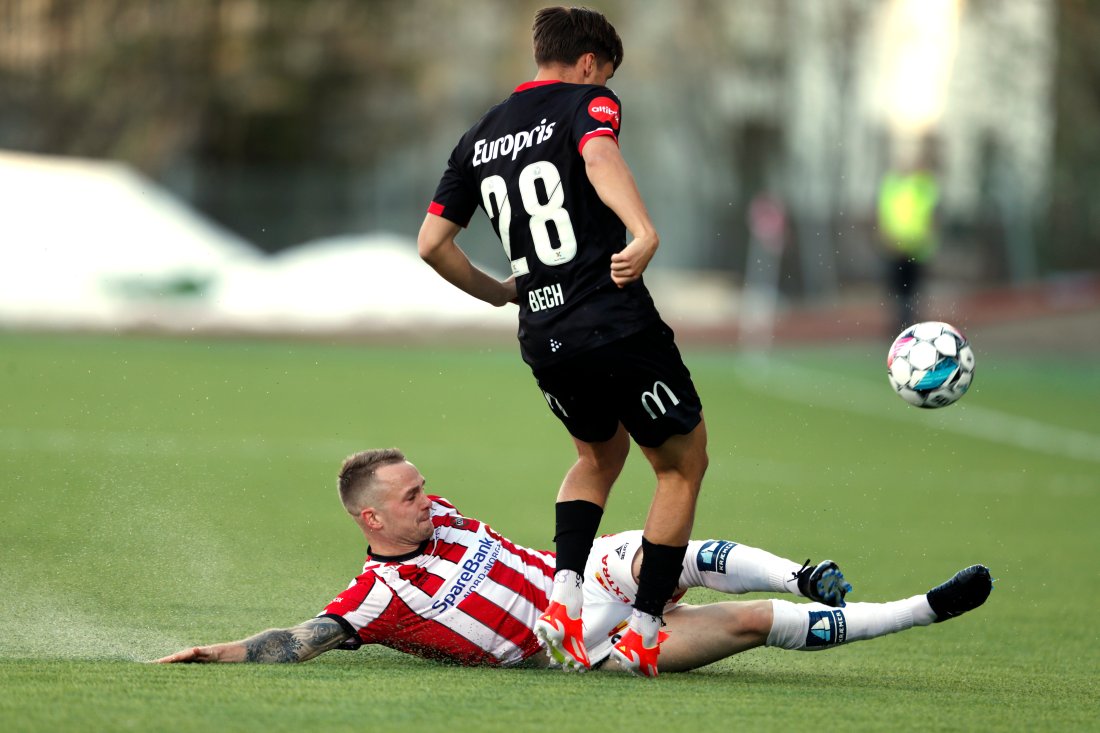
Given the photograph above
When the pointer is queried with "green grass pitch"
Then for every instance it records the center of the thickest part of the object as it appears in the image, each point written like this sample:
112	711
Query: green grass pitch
158	493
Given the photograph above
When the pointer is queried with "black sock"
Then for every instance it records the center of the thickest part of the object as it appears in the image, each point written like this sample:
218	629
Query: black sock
659	576
577	524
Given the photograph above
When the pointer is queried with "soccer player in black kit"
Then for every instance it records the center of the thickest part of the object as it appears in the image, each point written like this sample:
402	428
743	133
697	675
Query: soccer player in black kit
545	167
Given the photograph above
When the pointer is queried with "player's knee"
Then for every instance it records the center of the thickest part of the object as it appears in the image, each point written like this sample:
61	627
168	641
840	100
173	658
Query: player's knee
682	457
687	471
608	457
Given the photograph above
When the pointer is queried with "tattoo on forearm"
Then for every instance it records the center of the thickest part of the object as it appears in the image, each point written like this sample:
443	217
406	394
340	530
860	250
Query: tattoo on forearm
277	645
304	641
324	634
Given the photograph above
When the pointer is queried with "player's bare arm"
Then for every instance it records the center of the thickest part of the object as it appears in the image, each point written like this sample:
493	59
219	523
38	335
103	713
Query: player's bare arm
436	245
613	181
297	644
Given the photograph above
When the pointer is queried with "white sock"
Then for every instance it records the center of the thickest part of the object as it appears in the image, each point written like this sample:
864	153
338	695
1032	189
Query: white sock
732	568
814	627
569	591
646	626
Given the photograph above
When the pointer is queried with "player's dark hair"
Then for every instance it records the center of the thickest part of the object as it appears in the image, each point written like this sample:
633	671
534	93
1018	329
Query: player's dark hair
358	471
563	35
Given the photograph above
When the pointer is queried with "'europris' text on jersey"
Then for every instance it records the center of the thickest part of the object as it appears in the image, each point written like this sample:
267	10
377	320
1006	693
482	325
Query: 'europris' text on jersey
521	163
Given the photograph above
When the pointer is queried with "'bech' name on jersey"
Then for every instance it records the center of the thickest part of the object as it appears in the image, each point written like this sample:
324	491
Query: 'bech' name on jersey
487	150
544	298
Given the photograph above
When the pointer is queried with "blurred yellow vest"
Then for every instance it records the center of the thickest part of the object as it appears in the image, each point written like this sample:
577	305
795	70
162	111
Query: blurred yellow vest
906	212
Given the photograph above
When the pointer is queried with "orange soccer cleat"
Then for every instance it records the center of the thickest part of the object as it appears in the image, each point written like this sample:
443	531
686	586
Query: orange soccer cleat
635	656
563	637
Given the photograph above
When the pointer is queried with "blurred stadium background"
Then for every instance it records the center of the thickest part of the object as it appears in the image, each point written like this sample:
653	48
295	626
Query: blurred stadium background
258	165
235	187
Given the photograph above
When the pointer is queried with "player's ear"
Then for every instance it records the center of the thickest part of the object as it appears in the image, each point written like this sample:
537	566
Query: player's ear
583	65
370	518
590	63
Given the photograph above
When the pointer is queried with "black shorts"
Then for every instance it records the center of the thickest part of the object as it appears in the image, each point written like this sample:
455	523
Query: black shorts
640	381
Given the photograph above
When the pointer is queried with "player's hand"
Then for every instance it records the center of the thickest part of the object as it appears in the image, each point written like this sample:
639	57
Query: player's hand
510	291
629	264
196	655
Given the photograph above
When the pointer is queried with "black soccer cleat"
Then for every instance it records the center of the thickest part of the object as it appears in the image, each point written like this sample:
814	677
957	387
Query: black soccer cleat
964	592
823	583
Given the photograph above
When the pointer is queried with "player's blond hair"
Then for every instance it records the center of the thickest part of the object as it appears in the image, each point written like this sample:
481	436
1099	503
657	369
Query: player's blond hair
357	476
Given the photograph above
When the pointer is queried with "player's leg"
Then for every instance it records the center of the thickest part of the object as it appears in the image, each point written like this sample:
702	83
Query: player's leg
903	286
700	635
679	464
697	635
730	567
720	565
572	393
814	627
578	511
660	408
596	469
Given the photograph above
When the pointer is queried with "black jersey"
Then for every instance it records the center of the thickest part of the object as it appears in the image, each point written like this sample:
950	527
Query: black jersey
521	163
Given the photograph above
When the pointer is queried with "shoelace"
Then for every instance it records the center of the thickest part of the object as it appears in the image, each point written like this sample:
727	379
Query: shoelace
797	575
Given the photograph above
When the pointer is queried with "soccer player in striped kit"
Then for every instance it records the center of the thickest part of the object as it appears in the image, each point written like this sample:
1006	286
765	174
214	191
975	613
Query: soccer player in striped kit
443	586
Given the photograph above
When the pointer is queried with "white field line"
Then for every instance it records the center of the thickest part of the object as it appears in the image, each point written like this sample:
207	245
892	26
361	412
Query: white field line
798	384
767	375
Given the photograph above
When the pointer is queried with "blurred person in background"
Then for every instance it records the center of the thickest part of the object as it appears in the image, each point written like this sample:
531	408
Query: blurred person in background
545	166
907	229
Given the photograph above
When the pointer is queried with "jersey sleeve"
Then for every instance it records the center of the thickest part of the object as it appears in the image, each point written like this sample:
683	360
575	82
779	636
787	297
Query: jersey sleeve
442	506
455	198
599	114
364	601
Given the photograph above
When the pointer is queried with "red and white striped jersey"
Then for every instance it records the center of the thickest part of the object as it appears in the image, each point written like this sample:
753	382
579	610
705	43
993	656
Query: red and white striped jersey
468	595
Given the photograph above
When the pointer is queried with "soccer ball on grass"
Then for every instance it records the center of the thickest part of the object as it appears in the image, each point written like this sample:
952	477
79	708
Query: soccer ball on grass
930	364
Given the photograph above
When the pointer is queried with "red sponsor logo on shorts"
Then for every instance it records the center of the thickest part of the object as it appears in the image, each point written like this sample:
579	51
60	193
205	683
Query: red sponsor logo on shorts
605	109
605	580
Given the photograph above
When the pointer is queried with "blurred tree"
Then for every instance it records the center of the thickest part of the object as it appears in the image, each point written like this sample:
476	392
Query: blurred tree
1072	229
290	120
264	113
110	78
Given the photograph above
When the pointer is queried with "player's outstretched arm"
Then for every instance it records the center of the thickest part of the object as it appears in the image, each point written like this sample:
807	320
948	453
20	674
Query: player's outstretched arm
436	245
297	644
611	177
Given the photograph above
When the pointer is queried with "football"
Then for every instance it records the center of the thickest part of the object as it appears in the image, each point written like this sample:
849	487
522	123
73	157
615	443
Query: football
930	364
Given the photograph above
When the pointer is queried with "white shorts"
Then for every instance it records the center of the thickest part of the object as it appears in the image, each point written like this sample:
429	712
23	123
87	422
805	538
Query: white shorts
610	590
